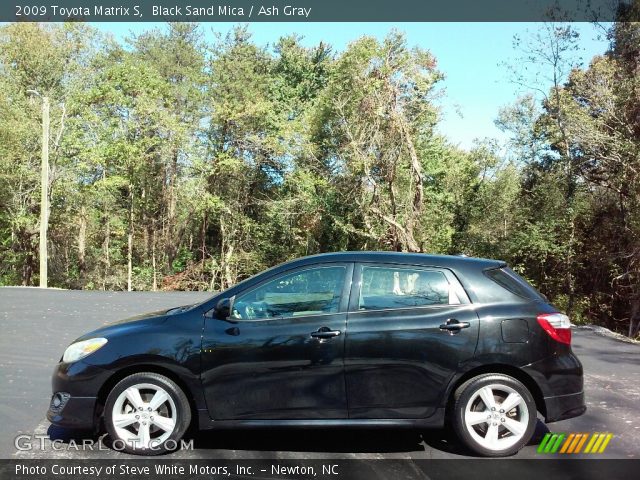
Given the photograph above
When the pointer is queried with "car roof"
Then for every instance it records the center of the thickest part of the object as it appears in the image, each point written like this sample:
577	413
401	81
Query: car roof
446	261
456	263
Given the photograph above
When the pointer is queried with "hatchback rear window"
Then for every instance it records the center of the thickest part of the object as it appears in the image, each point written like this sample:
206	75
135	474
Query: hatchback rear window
510	280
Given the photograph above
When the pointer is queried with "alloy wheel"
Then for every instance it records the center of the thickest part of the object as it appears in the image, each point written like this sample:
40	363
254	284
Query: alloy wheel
496	417
144	415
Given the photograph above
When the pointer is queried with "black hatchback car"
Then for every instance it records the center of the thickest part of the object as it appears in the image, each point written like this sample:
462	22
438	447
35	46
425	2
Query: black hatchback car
366	339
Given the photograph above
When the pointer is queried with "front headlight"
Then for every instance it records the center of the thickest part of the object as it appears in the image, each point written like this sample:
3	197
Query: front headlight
78	350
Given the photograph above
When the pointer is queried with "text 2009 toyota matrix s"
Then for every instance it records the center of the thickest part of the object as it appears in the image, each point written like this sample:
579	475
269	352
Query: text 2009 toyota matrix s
366	339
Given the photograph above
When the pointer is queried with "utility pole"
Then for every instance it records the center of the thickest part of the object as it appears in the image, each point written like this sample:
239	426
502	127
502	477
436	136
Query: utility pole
44	189
44	193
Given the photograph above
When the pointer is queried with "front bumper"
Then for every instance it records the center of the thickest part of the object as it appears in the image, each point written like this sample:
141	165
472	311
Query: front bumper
77	413
75	395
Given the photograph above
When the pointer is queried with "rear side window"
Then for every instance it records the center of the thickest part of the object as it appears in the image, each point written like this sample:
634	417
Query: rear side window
510	280
391	287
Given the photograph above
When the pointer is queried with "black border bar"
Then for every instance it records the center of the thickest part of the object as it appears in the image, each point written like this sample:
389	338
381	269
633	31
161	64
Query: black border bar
329	469
241	11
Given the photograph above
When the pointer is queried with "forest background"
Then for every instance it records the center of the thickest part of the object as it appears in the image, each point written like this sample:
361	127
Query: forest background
182	163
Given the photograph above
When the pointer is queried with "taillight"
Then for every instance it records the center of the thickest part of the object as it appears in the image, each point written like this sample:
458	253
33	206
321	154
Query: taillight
557	325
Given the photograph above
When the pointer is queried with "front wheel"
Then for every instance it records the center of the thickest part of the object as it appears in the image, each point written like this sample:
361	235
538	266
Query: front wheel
494	415
146	414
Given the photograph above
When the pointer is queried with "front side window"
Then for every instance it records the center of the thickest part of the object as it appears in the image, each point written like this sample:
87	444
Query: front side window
391	287
309	292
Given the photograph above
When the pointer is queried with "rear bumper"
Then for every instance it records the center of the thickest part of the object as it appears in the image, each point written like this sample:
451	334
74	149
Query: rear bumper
564	406
561	383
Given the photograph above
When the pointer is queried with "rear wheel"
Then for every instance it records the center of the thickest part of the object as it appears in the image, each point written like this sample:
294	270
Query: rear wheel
146	414
494	415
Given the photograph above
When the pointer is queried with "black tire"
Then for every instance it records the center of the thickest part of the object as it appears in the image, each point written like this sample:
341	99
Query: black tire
525	414
179	400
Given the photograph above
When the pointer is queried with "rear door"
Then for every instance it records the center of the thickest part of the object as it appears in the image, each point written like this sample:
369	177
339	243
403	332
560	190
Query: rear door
408	330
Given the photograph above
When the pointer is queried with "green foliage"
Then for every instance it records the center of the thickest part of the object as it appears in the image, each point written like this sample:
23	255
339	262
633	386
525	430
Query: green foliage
179	164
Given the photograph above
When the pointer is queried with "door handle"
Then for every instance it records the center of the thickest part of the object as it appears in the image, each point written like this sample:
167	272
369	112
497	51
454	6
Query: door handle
453	326
324	332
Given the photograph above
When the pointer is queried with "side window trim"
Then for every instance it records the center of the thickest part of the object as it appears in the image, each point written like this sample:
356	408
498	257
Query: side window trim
344	299
354	301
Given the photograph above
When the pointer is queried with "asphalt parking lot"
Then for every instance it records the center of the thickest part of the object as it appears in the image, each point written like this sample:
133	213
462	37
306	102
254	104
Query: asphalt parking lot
37	325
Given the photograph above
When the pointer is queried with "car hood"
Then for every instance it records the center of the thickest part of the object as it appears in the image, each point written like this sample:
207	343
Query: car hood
152	315
133	323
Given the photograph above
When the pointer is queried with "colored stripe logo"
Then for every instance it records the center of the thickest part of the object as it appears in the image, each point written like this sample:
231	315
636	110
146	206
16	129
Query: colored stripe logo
574	443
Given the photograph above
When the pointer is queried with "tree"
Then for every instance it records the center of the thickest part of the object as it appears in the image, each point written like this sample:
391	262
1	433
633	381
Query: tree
179	163
378	108
604	104
178	56
50	60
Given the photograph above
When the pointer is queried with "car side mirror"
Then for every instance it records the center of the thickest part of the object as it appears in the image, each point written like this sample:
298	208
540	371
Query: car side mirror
223	308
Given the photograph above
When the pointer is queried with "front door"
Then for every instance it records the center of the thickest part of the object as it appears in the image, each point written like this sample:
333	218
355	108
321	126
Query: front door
408	330
280	353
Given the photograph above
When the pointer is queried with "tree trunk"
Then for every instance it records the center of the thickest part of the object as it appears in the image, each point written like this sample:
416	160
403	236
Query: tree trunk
27	270
418	196
226	253
153	260
105	252
229	277
82	241
203	240
107	238
146	236
130	241
407	239
170	246
634	321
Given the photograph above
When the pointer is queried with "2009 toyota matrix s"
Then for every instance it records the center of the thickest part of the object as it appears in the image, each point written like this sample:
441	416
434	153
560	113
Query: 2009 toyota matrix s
340	339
